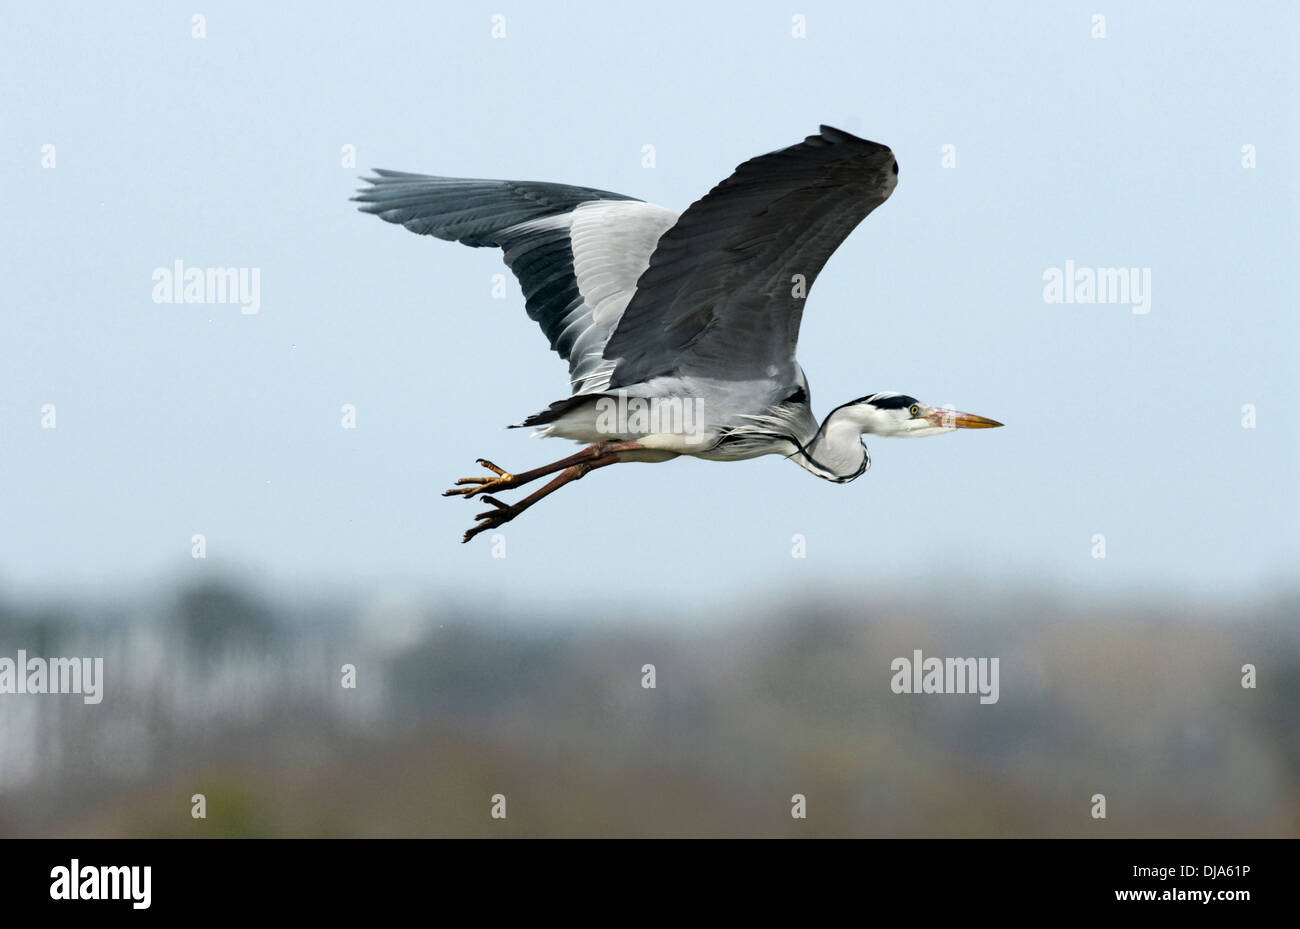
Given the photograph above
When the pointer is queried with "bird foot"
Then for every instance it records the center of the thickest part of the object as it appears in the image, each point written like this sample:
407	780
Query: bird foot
504	480
498	516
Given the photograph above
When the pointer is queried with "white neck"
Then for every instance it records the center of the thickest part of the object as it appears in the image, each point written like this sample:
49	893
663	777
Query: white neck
836	453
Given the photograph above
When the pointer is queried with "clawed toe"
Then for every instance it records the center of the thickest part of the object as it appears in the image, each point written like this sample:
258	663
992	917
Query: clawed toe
468	487
494	502
499	515
473	486
569	469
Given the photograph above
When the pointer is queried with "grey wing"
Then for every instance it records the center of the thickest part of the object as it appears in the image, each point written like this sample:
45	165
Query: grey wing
576	251
720	296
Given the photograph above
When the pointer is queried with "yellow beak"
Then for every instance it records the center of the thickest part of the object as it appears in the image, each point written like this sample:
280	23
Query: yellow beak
955	419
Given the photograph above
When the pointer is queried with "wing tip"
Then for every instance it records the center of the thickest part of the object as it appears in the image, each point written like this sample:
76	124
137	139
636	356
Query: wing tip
834	136
383	178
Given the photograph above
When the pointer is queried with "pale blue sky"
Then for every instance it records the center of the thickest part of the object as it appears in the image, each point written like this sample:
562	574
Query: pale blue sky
225	151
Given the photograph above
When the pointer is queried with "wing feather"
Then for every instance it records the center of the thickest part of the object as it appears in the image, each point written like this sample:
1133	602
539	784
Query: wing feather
718	297
576	251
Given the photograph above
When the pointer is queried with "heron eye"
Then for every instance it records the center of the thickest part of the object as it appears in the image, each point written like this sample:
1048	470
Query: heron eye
914	409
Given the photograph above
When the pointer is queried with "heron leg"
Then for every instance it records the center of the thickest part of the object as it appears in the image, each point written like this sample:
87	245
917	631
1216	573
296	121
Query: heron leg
506	481
501	514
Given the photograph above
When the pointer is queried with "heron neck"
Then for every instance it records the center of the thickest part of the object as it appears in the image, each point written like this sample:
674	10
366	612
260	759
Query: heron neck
836	453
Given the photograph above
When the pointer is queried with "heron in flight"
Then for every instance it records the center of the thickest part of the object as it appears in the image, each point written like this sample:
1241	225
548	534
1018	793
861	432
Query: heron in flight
679	330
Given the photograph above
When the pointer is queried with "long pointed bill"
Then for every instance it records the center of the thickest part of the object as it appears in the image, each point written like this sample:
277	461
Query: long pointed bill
955	419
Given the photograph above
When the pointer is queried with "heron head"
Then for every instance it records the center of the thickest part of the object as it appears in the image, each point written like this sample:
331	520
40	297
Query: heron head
894	414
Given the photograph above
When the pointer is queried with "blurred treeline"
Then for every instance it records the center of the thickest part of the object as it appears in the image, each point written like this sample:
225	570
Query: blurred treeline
221	690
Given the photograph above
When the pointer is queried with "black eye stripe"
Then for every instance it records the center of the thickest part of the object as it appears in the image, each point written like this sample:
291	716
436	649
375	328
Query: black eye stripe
900	402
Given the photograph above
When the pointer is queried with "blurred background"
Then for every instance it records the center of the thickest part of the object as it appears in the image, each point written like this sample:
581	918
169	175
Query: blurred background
1124	546
222	691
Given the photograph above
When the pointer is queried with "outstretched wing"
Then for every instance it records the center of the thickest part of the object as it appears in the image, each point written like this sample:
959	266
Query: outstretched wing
576	251
724	291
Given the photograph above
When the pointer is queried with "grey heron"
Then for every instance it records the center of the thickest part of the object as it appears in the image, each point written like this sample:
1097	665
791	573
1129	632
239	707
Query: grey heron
679	330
